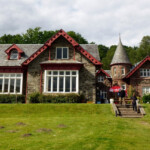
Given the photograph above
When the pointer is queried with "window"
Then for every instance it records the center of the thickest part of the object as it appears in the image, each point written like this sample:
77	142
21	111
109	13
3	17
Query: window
145	72
123	86
10	83
103	94
146	90
115	71
14	54
123	71
100	78
61	81
62	53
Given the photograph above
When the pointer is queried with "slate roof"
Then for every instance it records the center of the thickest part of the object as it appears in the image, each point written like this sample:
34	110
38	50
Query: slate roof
120	55
108	72
29	49
92	49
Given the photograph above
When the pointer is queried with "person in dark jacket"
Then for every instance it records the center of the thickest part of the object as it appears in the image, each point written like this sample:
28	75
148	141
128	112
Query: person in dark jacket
134	99
122	95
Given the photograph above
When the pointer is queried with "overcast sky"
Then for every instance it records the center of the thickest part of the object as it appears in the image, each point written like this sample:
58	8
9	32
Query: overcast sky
100	21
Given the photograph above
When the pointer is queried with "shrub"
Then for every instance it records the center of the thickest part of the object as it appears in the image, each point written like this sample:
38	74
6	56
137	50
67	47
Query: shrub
146	98
12	98
34	97
60	98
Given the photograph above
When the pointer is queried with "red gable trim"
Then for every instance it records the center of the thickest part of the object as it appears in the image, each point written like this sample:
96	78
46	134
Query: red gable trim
101	70
12	69
65	35
12	47
70	40
147	58
61	66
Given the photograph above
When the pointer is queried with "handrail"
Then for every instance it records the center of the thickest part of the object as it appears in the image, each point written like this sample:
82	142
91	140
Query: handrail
140	108
115	109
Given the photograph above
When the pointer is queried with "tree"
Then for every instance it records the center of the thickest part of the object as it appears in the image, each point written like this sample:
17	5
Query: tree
102	51
77	37
144	48
107	60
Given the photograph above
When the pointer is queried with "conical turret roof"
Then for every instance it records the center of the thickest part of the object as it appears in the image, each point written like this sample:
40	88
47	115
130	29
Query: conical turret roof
120	56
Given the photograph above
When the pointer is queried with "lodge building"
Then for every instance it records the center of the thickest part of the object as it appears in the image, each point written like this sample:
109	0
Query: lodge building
61	65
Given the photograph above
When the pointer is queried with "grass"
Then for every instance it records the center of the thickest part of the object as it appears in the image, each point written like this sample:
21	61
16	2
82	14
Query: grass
71	127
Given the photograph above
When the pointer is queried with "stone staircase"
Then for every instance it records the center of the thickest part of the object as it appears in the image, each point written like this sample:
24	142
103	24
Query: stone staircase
126	111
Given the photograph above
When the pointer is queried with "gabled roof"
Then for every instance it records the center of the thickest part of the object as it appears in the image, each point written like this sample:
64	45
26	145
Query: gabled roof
120	56
14	46
101	70
70	40
147	58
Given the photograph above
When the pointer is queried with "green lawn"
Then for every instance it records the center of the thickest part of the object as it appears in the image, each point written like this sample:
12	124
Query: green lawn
71	127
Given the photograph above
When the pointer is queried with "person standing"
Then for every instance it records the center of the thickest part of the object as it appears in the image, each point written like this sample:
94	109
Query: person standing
119	95
122	94
134	99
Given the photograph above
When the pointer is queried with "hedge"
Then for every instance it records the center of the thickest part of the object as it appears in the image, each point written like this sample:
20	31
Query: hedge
12	98
60	98
146	98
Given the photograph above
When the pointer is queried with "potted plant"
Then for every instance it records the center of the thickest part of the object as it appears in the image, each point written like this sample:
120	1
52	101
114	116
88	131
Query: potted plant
89	101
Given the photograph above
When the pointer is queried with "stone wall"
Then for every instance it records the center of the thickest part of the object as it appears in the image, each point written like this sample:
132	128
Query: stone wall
87	83
118	78
138	82
103	86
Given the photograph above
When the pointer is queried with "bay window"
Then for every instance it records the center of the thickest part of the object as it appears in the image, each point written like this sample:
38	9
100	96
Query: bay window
11	83
61	81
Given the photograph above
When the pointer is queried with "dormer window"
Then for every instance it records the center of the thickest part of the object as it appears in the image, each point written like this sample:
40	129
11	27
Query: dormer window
14	54
62	53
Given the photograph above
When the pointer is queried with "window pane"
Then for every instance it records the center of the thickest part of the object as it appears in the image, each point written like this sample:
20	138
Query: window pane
73	84
18	75
67	84
61	72
12	75
67	72
7	75
54	84
59	53
49	84
61	83
49	72
6	85
12	83
14	54
1	84
148	72
1	75
55	73
145	72
73	72
65	53
18	85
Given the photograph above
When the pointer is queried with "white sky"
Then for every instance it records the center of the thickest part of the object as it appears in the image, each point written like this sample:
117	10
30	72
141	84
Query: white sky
100	21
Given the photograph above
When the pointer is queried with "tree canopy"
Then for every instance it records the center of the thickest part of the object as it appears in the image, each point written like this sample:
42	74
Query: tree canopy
36	36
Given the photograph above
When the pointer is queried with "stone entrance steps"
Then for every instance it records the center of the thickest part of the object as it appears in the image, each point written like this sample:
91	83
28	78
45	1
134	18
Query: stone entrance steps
126	111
